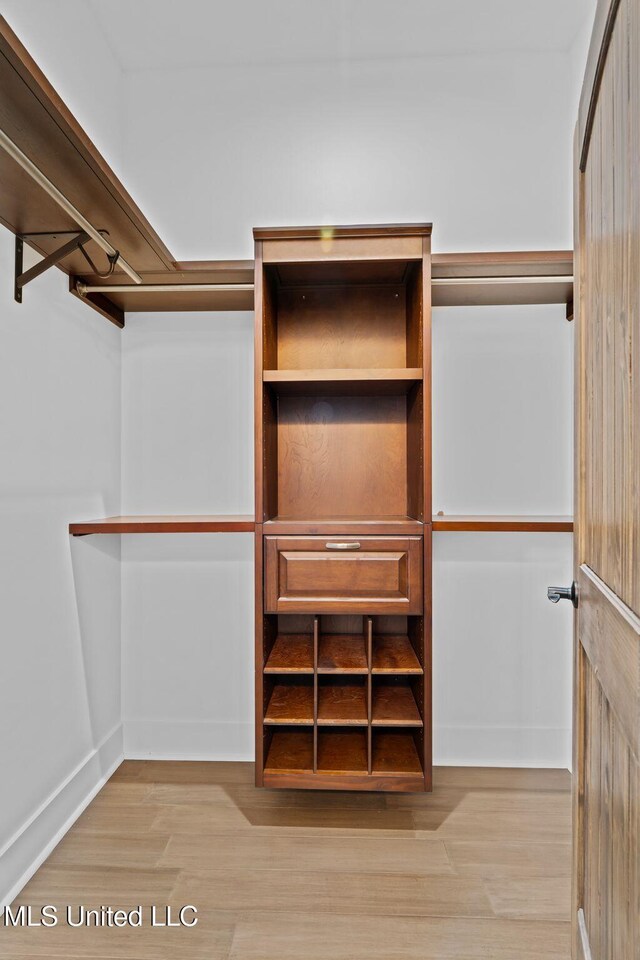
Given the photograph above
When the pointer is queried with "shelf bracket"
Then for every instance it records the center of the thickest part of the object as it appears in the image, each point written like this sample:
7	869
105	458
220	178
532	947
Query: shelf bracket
23	277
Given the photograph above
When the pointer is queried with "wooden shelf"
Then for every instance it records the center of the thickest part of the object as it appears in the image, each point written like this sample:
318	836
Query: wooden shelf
510	278
223	273
507	524
395	753
240	523
344	381
290	751
291	653
394	655
394	705
342	653
342	751
344	526
342	705
291	703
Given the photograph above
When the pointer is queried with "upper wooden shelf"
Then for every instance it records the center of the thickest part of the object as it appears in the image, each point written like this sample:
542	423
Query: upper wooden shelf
507	524
240	523
510	278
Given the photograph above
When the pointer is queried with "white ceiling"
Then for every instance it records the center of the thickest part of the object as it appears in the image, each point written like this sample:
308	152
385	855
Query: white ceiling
151	34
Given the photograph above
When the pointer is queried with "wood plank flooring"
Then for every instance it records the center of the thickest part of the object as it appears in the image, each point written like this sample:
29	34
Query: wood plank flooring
479	870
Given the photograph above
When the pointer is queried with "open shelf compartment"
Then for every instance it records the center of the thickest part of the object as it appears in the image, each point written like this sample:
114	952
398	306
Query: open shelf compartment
343	697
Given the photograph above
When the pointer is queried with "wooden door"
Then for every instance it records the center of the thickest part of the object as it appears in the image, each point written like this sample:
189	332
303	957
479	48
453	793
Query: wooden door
606	901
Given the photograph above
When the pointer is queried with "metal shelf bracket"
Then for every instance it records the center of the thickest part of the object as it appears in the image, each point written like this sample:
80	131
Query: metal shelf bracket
23	277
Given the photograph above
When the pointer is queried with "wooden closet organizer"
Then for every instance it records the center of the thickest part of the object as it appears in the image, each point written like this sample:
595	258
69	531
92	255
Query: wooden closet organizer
343	508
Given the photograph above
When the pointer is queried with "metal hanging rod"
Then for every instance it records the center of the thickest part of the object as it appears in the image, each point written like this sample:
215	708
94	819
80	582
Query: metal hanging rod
36	174
85	288
461	281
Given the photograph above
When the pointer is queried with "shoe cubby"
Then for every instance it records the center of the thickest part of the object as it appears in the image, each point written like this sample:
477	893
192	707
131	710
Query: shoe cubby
342	750
343	696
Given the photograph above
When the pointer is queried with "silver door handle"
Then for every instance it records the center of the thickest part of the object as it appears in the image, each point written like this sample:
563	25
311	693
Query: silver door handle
555	594
343	545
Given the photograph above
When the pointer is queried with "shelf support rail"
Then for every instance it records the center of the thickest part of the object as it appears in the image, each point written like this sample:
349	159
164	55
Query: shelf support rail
84	226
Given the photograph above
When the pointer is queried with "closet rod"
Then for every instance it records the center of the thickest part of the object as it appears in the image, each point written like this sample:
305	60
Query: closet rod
460	281
85	288
36	174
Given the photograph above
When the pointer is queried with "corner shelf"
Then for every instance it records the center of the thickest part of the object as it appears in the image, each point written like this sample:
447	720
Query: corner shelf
506	524
232	523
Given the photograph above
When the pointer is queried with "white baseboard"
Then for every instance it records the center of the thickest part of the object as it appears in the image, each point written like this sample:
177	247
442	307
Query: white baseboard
502	747
188	740
30	846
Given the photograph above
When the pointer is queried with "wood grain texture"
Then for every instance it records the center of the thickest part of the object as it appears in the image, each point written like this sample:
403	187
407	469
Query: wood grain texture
291	653
342	704
342	653
394	655
394	705
240	523
342	456
290	703
606	885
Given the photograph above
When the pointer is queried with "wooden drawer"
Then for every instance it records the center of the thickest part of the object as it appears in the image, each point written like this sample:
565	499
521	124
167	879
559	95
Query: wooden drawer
343	575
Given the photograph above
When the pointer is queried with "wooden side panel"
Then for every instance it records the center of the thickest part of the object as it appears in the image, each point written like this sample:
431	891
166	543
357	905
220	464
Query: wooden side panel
610	351
606	875
611	902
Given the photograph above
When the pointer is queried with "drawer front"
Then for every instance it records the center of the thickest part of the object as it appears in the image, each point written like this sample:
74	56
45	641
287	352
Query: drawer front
343	574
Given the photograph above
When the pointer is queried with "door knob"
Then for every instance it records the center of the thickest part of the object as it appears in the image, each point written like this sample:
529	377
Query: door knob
564	593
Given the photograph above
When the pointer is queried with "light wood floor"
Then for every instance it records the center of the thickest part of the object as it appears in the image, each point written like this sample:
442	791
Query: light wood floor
479	870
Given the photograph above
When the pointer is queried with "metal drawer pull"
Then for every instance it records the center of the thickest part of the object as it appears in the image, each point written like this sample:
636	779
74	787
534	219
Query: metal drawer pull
343	545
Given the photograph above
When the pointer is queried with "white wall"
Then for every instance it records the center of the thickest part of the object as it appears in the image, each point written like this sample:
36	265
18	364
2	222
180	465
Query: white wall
502	443
477	144
60	709
60	680
187	601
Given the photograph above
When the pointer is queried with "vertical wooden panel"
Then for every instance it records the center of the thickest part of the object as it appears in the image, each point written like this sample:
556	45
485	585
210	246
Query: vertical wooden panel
607	508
